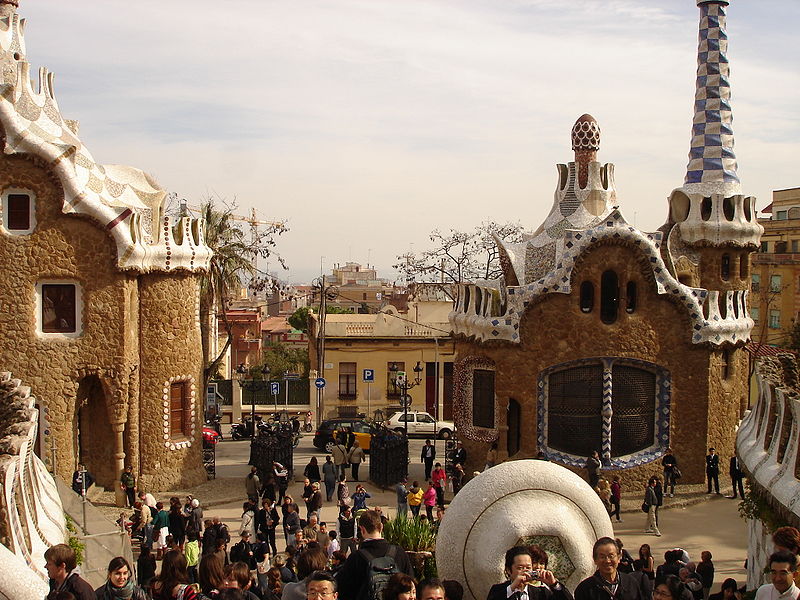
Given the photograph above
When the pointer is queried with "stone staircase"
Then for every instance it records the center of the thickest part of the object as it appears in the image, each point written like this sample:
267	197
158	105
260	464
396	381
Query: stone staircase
103	538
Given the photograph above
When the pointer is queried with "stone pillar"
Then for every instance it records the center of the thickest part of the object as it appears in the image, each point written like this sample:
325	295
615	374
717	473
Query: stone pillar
236	401
119	462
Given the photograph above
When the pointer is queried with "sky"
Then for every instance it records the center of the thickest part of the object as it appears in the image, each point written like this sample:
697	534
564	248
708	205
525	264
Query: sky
366	124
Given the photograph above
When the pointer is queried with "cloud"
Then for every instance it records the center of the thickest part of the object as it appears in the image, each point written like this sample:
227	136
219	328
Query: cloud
369	123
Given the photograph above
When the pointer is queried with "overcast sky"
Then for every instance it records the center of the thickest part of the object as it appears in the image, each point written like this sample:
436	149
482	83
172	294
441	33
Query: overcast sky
366	124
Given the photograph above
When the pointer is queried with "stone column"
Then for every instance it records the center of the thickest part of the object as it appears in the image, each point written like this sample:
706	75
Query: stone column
236	401
119	462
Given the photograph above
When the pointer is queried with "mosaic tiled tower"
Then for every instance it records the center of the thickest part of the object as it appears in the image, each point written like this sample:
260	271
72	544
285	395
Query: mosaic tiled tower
709	208
712	162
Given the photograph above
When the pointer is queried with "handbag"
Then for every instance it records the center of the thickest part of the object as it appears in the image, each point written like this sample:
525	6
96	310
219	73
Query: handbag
645	507
676	472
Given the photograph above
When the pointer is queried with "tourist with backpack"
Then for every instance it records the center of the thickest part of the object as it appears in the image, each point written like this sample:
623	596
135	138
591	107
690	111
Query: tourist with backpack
366	571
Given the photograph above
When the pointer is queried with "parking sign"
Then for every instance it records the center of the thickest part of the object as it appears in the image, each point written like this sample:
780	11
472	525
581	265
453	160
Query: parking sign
274	388
369	375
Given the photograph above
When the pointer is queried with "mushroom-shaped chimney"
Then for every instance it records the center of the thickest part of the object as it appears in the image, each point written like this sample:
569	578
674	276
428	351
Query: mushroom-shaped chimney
585	143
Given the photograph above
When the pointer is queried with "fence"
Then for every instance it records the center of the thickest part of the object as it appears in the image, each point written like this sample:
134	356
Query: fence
388	457
298	393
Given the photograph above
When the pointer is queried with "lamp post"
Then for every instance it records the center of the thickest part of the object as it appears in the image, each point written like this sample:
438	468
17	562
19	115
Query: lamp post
253	386
401	380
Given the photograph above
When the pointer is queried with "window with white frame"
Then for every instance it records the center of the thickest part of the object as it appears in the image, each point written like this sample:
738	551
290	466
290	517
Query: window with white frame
775	283
19	217
59	306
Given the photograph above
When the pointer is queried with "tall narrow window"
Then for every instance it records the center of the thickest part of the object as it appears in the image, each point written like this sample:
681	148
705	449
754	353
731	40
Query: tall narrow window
774	319
755	283
347	380
587	296
514	423
180	410
775	283
725	267
59	308
18	216
630	297
483	398
609	297
755	313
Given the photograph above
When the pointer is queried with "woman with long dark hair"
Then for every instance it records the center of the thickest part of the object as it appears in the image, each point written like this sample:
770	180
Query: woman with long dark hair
119	583
173	581
670	588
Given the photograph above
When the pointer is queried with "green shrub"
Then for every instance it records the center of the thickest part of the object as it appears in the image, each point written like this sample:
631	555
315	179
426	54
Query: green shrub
73	541
410	534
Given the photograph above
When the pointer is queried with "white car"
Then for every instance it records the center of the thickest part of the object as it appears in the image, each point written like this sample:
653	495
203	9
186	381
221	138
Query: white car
420	424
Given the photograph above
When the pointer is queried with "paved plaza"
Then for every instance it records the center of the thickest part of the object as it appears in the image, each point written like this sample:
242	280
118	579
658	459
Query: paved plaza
711	523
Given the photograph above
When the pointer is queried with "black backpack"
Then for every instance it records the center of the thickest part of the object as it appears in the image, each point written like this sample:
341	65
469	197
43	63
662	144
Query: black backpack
379	571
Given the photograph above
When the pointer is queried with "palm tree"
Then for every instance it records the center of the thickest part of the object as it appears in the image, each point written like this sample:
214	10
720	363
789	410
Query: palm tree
231	261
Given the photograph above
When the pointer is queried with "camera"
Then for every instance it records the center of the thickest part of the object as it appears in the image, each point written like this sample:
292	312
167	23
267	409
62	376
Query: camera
533	576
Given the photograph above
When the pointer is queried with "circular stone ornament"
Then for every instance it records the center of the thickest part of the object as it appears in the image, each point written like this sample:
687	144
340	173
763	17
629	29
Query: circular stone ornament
511	504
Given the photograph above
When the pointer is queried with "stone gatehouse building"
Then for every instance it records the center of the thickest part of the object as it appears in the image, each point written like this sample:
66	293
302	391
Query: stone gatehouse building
604	337
100	302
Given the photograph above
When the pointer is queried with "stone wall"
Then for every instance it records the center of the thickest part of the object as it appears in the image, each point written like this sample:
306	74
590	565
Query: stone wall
704	409
171	347
62	248
93	384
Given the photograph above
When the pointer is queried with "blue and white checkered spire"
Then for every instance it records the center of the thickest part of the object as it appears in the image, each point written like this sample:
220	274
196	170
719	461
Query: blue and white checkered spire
712	162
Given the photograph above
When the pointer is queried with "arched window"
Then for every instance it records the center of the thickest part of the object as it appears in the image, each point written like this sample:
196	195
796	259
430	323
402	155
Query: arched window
744	265
609	297
587	296
725	269
630	297
608	403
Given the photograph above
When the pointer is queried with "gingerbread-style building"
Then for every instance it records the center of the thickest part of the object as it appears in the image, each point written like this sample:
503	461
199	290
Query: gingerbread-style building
101	295
602	336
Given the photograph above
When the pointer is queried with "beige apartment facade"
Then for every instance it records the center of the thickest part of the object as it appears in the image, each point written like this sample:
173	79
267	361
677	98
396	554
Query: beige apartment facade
775	285
383	344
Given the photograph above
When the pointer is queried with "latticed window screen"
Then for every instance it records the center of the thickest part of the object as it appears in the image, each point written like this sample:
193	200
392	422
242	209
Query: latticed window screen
633	402
179	409
575	399
483	398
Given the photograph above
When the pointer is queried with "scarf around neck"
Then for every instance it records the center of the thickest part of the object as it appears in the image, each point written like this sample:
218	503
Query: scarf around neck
113	592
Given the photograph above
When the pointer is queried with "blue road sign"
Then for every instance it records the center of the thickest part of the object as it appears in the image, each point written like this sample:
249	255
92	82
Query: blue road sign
274	388
369	375
319	382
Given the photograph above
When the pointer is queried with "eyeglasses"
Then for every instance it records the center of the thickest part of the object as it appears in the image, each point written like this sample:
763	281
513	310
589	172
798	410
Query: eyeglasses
607	556
310	594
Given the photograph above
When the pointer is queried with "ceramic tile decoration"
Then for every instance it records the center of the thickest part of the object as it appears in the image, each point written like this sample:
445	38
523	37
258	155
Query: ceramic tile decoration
519	500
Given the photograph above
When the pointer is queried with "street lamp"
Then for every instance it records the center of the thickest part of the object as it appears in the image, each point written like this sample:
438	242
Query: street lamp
401	380
253	386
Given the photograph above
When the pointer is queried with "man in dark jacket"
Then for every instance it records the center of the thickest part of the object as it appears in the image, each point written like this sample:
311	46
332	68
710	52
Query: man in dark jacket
353	578
737	475
82	480
267	520
525	565
242	551
712	470
607	582
427	456
60	562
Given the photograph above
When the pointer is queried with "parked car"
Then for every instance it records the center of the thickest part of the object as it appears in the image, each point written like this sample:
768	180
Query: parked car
323	437
420	424
210	436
